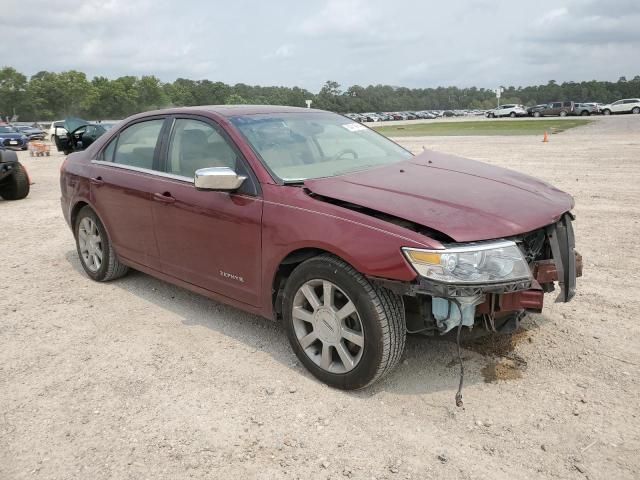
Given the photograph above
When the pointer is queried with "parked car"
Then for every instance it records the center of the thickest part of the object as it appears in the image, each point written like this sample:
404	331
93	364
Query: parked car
12	138
585	109
79	134
627	105
14	180
32	133
561	109
508	110
311	218
536	110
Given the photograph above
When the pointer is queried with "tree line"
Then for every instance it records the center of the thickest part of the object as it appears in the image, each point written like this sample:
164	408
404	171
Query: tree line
52	95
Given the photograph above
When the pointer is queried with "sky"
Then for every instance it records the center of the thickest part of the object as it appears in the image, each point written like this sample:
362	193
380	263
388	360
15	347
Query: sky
412	43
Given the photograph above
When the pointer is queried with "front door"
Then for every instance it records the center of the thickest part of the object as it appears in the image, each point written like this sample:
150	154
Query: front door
123	180
207	238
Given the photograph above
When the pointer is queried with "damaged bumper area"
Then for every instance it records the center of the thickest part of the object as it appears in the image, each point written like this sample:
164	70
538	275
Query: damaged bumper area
437	307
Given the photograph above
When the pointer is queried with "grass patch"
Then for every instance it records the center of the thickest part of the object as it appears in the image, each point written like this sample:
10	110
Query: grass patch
481	127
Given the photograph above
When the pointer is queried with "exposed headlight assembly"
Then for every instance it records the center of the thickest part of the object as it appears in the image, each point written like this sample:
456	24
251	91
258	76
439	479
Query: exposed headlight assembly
473	263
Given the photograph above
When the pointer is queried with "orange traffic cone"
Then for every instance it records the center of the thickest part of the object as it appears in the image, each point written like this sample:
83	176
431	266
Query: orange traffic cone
546	137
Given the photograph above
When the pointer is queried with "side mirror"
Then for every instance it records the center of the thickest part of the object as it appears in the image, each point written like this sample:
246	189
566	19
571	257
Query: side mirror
217	178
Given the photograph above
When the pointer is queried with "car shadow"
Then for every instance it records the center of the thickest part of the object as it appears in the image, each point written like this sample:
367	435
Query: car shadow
428	365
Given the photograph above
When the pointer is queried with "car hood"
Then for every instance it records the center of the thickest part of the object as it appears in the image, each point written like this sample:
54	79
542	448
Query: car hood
12	135
461	198
71	124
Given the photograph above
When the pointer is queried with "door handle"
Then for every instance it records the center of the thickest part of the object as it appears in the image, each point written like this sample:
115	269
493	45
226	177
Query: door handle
97	181
163	197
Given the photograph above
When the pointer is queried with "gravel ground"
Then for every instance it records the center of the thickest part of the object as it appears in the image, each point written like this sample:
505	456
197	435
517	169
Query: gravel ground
140	379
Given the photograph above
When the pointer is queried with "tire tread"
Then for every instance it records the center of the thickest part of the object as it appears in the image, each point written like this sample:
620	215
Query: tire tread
390	310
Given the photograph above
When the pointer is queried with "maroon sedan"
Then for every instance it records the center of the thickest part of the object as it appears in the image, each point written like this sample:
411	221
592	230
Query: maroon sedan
305	216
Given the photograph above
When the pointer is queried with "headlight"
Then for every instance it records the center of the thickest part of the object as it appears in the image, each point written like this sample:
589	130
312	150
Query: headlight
471	263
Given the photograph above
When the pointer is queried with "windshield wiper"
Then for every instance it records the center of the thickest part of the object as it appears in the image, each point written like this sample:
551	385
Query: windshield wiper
293	182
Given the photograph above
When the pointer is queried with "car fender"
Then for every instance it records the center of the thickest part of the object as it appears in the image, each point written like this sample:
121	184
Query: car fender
293	221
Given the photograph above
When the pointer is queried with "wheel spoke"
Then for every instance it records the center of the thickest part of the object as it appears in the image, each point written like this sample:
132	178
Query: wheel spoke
346	311
98	253
354	337
325	362
345	356
308	339
311	297
327	294
302	314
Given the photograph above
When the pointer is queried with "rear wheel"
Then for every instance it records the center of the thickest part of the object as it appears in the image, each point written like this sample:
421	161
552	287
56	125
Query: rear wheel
512	114
96	253
635	110
345	330
585	113
563	113
16	187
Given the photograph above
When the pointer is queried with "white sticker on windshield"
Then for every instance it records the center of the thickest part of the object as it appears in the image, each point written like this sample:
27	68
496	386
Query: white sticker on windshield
354	127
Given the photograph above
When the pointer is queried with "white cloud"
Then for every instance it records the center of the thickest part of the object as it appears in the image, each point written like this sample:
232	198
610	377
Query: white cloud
288	42
339	17
283	51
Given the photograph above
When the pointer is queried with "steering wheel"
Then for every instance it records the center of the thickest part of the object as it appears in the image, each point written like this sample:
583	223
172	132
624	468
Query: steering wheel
346	151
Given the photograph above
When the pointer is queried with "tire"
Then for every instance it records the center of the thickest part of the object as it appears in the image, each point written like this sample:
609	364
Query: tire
17	187
536	114
512	114
563	113
584	113
635	110
376	323
109	267
606	112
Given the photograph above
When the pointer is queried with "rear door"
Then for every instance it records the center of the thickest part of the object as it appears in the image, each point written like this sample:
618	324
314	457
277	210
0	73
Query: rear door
124	177
554	109
629	104
208	238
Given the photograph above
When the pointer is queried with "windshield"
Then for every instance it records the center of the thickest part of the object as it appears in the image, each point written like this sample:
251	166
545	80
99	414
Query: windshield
5	129
300	146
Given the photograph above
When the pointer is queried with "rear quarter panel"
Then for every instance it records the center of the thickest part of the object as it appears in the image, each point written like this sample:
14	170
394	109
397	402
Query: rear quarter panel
74	183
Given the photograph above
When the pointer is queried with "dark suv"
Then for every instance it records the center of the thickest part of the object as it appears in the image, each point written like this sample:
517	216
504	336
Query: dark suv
561	109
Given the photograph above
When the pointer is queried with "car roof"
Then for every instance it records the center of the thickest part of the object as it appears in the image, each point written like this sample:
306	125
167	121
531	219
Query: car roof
234	110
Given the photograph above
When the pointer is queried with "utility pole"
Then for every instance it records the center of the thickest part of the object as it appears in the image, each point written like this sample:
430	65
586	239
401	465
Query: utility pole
498	91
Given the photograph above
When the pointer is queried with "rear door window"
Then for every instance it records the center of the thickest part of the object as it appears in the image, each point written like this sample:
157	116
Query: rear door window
136	144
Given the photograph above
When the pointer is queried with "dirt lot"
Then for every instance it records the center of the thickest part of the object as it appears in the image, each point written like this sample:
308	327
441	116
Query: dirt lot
139	379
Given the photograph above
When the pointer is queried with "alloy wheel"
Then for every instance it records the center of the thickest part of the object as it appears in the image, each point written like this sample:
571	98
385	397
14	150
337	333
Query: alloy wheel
90	243
327	326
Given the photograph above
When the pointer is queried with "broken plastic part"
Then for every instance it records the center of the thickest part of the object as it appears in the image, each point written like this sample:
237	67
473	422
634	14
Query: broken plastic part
449	314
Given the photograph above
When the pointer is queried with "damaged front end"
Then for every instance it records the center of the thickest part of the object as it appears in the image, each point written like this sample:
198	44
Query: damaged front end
491	284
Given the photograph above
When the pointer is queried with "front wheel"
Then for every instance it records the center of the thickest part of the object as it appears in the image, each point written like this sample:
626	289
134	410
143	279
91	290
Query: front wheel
346	331
585	113
536	114
606	112
96	253
512	114
563	113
